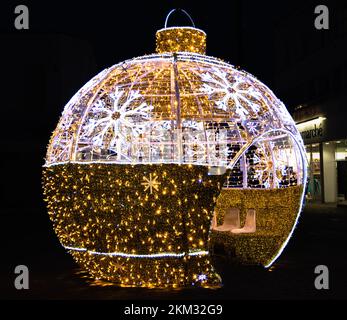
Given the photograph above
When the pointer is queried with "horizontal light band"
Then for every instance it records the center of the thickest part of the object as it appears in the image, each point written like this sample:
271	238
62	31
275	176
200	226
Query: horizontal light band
134	255
112	162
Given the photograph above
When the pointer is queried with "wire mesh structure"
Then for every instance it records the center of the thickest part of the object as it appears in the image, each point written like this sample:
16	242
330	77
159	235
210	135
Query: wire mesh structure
182	108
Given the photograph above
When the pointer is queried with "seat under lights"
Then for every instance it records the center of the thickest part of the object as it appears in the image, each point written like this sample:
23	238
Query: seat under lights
250	223
231	221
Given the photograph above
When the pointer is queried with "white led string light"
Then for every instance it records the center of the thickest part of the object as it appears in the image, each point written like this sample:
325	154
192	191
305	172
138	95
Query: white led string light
133	255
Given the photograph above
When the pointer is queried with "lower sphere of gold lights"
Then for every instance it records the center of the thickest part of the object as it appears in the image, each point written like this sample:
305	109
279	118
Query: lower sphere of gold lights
136	225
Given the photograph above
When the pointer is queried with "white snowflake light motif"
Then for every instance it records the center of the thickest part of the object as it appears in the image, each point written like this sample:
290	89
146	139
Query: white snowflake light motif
239	97
253	127
114	122
202	277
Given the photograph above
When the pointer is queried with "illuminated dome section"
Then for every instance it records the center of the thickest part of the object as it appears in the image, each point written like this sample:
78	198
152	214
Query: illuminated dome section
181	108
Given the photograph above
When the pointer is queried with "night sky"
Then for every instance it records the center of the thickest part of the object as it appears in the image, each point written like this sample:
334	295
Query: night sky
238	31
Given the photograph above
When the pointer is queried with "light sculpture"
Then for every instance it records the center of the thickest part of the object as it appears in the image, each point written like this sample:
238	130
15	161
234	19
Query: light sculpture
141	153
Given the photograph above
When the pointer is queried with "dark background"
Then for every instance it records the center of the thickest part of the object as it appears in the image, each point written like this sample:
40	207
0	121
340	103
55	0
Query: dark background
70	41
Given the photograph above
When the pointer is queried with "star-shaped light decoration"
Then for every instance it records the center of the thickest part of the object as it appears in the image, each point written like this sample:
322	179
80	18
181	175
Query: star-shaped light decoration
151	183
202	277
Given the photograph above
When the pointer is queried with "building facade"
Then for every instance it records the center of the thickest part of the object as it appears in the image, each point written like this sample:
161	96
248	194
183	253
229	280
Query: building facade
311	77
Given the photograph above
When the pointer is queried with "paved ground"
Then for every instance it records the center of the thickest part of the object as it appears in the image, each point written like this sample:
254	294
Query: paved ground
320	238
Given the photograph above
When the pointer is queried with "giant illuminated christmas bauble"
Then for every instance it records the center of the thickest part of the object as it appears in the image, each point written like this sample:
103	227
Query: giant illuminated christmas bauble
141	153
